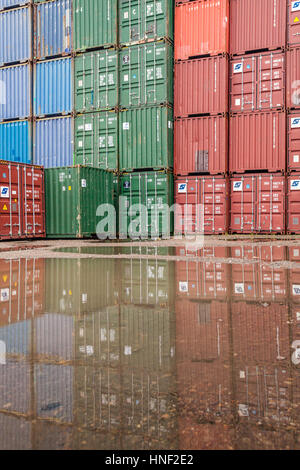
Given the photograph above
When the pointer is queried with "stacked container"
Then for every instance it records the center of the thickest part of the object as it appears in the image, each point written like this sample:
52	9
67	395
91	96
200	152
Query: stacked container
201	116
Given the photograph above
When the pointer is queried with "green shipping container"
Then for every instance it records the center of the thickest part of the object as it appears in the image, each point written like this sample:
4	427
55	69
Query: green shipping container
146	138
73	195
96	81
96	140
94	24
154	191
144	20
146	75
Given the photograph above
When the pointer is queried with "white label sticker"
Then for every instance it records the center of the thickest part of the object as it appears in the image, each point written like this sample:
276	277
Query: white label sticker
88	127
296	158
83	183
238	68
84	296
4	190
80	83
4	295
126	15
295	185
242	374
238	186
127	350
170	124
296	6
126	78
238	102
183	287
80	144
295	123
296	289
243	410
126	126
182	188
239	288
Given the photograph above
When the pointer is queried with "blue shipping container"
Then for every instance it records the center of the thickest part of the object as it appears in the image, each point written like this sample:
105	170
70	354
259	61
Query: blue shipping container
53	32
53	87
53	142
16	141
15	35
12	3
15	92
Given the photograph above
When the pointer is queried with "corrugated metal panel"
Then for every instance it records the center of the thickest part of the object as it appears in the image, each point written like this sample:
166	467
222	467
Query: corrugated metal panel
293	77
213	193
257	140
293	212
17	435
96	140
293	162
53	29
15	35
146	75
54	337
17	338
95	23
73	195
53	87
257	25
96	81
15	141
257	82
12	3
53	142
141	21
201	28
15	387
201	145
15	92
33	195
146	138
207	89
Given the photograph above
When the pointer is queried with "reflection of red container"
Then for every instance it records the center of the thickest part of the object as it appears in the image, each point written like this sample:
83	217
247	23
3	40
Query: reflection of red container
207	91
208	436
201	28
257	82
207	279
259	279
260	332
293	77
293	203
294	256
22	205
257	25
258	204
210	191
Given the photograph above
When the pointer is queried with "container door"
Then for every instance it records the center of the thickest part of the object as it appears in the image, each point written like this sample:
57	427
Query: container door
294	23
270	204
10	201
243	84
33	197
243	204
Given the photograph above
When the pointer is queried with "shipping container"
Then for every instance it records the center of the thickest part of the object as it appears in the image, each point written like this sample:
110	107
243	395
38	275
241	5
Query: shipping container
293	203
258	203
96	140
201	28
13	3
53	87
257	25
212	193
257	141
257	82
95	24
15	35
15	92
141	21
201	145
293	157
52	29
293	78
22	207
73	195
16	141
201	86
152	190
146	75
53	142
293	23
96	80
146	138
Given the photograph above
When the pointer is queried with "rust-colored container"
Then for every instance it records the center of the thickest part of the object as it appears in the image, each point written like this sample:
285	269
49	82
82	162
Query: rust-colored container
293	22
293	203
201	145
201	28
257	142
201	86
293	77
258	203
257	25
257	82
293	161
212	192
207	279
294	256
22	201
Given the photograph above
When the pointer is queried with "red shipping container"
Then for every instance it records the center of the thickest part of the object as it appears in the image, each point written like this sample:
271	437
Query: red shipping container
293	22
22	201
201	145
201	28
257	82
257	25
258	204
293	77
293	202
257	142
294	141
201	86
207	278
212	192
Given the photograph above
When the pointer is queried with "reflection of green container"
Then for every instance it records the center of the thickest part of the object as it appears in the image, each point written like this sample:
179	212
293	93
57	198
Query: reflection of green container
96	140
146	74
146	138
145	20
94	24
96	81
73	195
153	190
